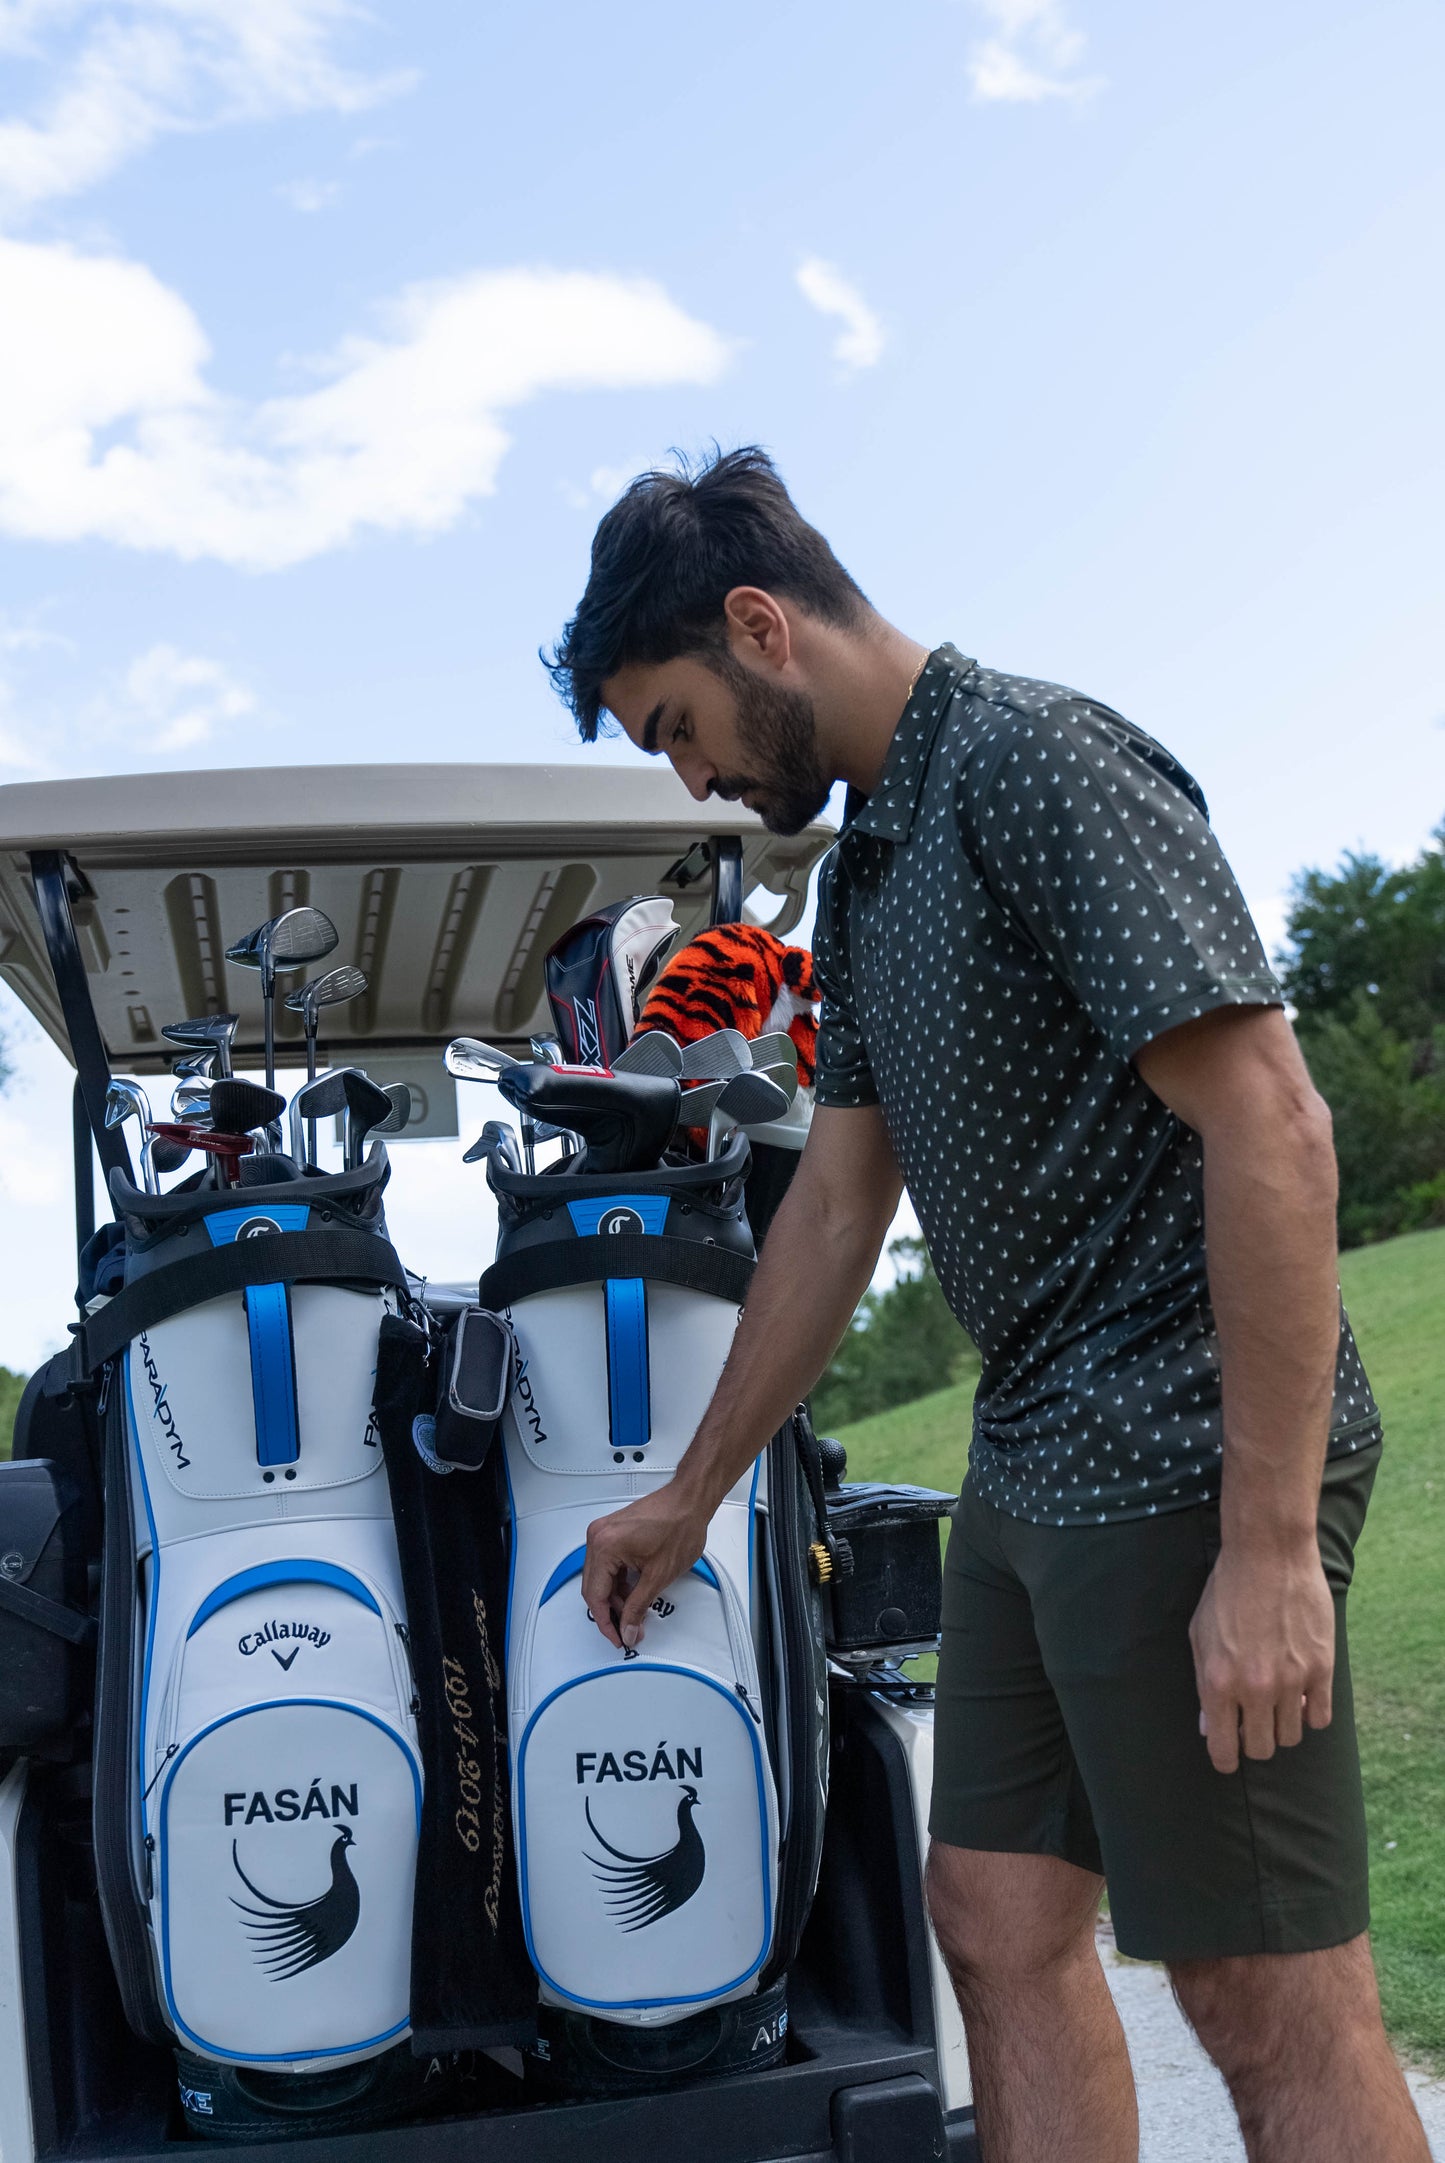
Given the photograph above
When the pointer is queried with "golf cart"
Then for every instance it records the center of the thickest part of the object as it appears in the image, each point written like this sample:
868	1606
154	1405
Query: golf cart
124	908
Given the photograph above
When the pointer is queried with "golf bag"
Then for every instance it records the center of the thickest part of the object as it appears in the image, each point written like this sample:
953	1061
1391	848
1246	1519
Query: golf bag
600	972
258	1785
668	1802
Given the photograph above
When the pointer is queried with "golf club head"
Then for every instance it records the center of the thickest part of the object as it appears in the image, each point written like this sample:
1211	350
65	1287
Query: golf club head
654	1052
285	941
717	1057
333	989
774	1048
166	1156
467	1058
548	1049
496	1135
191	1100
126	1100
784	1075
196	1066
398	1119
240	1107
213	1033
752	1100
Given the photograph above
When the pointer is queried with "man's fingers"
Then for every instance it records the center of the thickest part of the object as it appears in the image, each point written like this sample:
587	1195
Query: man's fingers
600	1572
1319	1703
1289	1724
1219	1724
1257	1725
634	1610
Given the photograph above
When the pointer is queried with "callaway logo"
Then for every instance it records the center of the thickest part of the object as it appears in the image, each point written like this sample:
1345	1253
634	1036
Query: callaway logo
641	1889
300	1633
160	1411
621	1220
255	1226
289	1936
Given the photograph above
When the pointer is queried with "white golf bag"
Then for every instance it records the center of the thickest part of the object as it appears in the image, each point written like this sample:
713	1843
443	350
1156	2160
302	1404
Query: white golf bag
258	1785
667	1802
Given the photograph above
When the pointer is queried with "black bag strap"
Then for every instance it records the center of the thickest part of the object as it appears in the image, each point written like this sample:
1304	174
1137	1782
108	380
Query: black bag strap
655	1257
46	1614
276	1258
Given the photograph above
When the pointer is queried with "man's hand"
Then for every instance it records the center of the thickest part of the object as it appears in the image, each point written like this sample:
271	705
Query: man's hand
1263	1638
635	1554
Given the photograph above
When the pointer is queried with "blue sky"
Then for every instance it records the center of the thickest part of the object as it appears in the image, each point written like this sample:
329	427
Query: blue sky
1102	339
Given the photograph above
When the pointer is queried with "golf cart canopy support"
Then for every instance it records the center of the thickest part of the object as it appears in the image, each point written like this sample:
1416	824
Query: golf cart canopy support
447	883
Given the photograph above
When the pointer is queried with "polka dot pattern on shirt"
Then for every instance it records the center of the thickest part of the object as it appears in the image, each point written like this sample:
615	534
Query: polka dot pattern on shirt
1030	895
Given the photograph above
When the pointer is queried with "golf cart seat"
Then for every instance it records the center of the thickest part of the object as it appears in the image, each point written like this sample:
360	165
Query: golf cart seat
624	1119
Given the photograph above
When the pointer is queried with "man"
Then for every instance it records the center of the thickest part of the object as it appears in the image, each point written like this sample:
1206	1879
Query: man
1046	1011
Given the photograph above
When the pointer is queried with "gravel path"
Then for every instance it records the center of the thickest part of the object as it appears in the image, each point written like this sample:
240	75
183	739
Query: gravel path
1184	2112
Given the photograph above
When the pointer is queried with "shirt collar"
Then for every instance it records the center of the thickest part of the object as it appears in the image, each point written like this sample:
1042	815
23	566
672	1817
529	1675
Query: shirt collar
889	811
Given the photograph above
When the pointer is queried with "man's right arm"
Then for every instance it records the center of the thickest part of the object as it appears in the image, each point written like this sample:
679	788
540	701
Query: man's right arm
818	1261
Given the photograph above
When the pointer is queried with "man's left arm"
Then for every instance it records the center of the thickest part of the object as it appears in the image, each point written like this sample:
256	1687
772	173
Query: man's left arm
1263	1634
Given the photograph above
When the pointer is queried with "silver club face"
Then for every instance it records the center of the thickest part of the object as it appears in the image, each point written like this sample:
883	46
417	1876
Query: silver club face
126	1100
467	1058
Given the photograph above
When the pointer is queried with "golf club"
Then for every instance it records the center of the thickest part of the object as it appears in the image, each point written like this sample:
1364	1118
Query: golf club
654	1052
398	1119
496	1135
200	1066
334	989
344	1090
748	1099
127	1100
716	1057
210	1033
774	1048
285	942
191	1101
467	1058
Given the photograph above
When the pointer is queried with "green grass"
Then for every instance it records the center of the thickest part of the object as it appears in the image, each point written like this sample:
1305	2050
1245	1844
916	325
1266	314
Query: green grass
1395	1293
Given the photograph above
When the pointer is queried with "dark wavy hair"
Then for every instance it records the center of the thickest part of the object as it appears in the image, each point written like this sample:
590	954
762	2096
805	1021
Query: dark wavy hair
667	555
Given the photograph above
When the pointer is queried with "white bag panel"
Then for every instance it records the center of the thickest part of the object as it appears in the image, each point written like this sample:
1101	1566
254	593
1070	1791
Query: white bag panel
559	1408
189	1382
285	1851
647	1842
292	1636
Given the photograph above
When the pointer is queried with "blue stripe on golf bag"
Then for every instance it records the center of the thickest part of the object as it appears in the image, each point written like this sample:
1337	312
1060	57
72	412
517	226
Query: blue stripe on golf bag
273	1374
628	1397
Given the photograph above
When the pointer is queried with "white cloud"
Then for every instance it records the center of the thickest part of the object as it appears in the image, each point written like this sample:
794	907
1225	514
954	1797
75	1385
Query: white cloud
860	342
171	701
145	68
309	196
1034	54
111	430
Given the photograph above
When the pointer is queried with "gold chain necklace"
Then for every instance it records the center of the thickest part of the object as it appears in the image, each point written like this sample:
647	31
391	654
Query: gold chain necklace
913	679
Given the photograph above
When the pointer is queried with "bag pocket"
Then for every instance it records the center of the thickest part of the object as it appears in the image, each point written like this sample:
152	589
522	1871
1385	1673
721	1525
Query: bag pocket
284	1832
646	1809
46	1635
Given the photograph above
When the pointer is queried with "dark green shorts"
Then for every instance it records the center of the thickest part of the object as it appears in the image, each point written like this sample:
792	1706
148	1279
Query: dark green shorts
1068	1724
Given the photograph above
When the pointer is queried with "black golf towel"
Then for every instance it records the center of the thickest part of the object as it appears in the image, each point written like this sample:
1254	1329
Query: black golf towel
472	1987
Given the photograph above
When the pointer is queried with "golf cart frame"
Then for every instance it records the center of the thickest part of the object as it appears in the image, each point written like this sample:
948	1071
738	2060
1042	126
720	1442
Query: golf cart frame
455	880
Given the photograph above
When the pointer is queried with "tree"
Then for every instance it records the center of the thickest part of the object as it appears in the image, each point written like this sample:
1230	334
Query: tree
1365	970
903	1342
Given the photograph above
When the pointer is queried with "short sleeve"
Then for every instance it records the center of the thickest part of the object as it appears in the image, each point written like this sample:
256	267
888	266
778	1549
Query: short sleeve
843	1077
1098	842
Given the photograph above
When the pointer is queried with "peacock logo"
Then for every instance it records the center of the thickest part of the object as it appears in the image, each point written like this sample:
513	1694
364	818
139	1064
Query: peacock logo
289	1936
641	1889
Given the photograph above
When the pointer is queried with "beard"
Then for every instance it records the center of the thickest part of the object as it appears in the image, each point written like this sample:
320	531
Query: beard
778	734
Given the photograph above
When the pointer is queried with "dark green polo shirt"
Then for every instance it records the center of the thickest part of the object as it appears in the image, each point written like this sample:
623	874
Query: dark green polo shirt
1031	893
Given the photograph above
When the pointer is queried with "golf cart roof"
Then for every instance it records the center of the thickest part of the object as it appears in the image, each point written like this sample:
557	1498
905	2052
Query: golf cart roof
447	884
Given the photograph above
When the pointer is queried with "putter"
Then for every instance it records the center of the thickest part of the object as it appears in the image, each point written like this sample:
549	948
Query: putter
654	1052
210	1033
127	1100
285	942
334	989
227	1149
